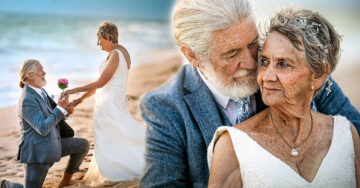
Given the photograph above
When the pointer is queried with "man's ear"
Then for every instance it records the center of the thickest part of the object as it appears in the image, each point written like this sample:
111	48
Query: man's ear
190	55
29	75
320	80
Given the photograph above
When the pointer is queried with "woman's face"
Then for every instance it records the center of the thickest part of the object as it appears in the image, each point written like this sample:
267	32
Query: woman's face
283	75
103	43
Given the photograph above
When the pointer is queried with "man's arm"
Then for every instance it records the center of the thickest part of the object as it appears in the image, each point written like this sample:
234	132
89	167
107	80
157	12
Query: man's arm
165	154
336	103
32	114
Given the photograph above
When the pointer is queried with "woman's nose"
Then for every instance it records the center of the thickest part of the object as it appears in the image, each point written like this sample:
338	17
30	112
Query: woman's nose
268	73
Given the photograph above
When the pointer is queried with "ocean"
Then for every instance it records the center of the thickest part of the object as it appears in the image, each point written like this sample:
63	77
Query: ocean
66	46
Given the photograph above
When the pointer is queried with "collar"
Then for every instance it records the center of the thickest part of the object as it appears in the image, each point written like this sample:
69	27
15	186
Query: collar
219	97
37	90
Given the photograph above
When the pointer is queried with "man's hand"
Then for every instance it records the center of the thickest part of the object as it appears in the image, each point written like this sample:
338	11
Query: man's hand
63	100
70	109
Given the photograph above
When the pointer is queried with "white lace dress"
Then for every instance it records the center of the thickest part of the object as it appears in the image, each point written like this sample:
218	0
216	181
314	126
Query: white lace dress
259	168
119	139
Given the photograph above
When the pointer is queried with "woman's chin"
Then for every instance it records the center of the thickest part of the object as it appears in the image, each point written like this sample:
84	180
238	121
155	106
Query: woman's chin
271	100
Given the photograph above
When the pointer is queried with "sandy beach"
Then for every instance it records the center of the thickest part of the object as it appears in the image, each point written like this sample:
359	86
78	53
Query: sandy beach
142	79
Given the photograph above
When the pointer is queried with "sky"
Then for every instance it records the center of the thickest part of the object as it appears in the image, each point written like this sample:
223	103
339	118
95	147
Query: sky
147	9
136	9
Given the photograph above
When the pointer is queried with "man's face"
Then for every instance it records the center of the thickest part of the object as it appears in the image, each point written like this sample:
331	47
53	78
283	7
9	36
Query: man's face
232	66
37	76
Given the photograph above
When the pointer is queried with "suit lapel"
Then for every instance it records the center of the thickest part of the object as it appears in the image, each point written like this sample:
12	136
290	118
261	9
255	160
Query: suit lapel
38	98
51	101
202	105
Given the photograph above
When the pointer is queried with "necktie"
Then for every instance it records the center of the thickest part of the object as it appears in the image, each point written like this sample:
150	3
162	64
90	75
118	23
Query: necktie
244	109
45	97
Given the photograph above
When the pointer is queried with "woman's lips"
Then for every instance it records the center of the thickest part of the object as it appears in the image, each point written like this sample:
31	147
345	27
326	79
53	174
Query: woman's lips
268	89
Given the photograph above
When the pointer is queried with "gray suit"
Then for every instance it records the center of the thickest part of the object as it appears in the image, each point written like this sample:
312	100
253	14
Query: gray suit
41	142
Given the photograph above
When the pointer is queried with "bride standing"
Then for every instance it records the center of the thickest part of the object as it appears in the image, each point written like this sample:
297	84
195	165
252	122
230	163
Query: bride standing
119	139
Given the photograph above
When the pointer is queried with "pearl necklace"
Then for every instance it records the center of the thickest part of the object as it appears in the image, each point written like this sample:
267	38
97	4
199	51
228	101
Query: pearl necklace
293	152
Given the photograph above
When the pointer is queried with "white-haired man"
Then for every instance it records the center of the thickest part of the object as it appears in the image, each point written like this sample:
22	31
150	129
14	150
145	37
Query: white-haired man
220	40
45	136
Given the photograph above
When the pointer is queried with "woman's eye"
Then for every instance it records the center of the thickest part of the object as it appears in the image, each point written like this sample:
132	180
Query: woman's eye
283	64
263	62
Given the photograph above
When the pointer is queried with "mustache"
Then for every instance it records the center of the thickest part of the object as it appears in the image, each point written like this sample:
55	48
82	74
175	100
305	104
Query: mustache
243	72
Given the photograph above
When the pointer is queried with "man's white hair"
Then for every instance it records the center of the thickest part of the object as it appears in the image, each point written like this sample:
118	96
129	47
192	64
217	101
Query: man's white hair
195	20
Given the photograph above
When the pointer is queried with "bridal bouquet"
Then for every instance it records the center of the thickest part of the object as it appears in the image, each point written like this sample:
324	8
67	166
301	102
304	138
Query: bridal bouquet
63	83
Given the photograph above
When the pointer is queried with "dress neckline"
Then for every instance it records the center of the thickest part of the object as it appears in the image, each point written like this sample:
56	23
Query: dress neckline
324	160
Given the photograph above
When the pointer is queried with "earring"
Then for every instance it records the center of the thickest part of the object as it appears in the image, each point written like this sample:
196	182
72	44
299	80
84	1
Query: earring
312	87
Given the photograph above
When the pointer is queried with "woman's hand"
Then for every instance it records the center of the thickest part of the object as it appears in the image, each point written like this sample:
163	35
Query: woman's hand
69	92
75	102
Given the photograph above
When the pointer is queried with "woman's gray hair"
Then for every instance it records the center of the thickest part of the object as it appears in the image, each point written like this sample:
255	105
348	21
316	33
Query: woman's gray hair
311	32
109	31
194	21
26	67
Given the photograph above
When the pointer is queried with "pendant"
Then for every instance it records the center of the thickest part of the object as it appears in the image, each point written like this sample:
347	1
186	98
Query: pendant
294	153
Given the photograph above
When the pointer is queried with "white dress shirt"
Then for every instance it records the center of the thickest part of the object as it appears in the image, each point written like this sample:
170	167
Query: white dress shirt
38	91
230	108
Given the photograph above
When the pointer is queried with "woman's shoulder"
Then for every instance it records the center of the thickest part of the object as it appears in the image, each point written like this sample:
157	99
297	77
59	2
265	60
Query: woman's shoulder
256	123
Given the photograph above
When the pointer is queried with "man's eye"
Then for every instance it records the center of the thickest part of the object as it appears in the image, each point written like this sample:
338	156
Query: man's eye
232	55
283	64
253	44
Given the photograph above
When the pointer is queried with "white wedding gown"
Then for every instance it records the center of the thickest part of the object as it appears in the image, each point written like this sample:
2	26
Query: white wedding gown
119	139
259	168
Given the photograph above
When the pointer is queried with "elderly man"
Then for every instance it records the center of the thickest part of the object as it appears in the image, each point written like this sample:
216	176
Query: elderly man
45	136
218	87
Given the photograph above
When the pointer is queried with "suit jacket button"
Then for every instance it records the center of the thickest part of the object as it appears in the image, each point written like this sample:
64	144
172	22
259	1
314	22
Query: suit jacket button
58	138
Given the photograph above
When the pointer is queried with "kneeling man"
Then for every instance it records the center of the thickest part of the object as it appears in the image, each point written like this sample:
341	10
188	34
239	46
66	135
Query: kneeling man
45	136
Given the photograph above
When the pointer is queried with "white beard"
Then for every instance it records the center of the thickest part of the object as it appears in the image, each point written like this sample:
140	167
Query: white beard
41	82
247	86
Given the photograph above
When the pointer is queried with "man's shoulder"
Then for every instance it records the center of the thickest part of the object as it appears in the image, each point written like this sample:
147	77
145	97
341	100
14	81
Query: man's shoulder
172	91
27	96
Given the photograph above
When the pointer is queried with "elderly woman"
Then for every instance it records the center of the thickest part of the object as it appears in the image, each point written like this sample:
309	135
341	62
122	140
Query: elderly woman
289	145
119	139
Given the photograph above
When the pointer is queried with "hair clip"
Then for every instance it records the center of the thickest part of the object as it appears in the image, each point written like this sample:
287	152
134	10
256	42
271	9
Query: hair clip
328	88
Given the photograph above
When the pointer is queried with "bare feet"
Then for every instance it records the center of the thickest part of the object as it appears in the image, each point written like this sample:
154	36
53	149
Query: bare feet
65	180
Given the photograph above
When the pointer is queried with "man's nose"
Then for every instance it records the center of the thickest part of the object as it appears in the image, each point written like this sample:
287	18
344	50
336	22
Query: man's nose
247	61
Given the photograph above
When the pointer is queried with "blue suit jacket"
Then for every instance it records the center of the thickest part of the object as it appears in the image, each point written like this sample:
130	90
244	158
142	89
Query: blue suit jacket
40	132
182	118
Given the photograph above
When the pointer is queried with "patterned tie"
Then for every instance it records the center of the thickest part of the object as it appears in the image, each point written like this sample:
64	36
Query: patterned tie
244	111
45	97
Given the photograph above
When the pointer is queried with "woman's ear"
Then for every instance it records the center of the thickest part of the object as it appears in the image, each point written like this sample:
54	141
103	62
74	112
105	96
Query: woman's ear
108	38
320	80
190	55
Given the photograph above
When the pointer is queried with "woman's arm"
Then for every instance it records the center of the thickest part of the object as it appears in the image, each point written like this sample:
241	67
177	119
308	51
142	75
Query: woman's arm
82	98
225	170
356	140
106	75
